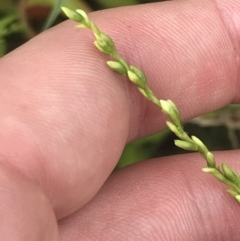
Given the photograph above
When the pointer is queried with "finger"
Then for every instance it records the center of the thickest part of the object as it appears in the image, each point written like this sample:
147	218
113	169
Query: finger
68	117
184	57
26	213
167	199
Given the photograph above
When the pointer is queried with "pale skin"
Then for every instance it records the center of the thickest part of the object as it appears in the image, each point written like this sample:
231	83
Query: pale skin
66	117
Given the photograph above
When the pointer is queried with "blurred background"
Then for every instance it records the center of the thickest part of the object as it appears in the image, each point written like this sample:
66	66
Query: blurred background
20	20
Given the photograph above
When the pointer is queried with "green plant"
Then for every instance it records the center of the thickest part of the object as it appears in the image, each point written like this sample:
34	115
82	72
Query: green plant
106	45
8	24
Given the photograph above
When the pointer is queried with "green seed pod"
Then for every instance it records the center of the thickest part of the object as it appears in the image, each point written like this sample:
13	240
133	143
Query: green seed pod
84	16
140	74
106	43
169	108
73	15
216	173
210	160
133	77
117	67
95	29
173	128
166	106
200	145
188	146
100	48
174	107
230	174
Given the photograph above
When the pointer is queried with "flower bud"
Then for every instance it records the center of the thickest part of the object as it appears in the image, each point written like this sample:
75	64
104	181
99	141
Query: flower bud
230	174
169	108
117	67
73	15
200	145
216	173
84	16
188	146
210	160
106	43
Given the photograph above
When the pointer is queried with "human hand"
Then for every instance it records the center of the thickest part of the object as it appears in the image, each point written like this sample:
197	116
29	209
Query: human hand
66	118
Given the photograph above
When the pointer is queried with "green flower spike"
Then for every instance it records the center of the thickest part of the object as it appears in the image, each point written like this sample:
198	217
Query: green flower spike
106	45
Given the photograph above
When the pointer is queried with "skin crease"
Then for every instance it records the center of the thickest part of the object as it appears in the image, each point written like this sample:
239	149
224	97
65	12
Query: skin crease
65	118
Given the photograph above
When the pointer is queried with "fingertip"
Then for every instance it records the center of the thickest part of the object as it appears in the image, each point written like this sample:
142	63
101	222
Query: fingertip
26	212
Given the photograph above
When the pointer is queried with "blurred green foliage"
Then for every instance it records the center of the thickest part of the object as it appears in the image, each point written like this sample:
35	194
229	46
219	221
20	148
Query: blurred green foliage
23	19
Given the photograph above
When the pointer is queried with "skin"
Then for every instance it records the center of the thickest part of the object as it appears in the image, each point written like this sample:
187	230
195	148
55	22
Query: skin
65	118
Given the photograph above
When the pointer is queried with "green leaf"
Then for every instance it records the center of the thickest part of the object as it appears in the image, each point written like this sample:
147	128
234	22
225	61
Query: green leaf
53	15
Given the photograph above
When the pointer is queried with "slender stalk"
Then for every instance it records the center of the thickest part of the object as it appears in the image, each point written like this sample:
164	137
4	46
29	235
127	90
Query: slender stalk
106	45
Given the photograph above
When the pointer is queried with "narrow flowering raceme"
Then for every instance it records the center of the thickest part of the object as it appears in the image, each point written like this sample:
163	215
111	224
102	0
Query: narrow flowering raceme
105	44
